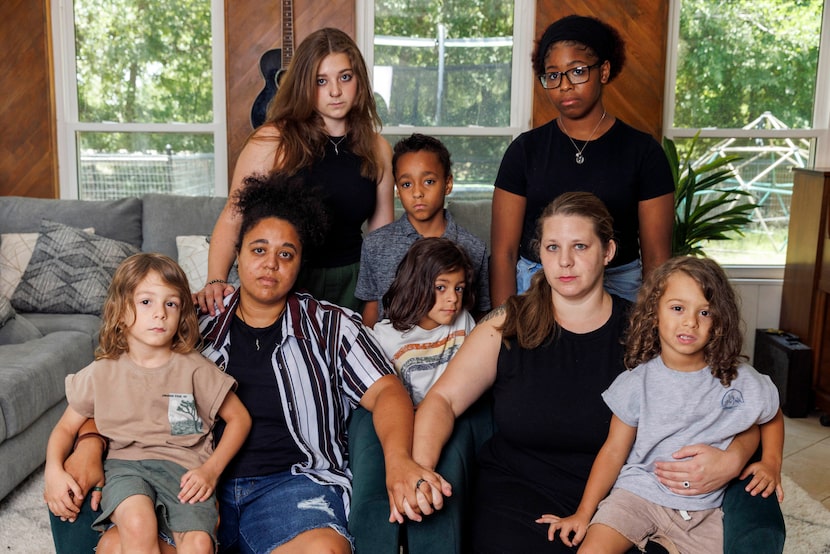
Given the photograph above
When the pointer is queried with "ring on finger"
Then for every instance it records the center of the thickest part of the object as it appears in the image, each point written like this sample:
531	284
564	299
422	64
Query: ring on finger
686	484
419	483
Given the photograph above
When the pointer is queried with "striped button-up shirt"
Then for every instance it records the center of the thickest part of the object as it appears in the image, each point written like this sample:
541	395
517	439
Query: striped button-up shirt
324	364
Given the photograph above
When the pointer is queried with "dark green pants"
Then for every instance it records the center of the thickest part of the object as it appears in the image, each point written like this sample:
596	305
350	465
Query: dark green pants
444	532
77	537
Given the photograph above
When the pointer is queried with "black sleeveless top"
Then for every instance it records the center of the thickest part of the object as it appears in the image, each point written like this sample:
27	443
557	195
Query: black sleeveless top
349	199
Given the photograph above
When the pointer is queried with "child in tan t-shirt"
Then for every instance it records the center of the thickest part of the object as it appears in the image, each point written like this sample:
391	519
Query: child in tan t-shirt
156	399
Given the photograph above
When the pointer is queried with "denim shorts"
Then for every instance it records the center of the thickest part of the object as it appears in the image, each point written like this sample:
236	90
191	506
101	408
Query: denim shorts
624	280
259	514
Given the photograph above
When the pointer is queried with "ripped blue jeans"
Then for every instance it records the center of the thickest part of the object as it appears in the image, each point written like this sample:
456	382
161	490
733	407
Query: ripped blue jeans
258	514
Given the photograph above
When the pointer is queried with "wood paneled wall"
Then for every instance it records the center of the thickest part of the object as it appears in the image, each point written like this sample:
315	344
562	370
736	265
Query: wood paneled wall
28	146
28	152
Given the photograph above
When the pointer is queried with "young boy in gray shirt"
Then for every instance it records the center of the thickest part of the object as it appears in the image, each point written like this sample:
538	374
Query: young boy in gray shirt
423	178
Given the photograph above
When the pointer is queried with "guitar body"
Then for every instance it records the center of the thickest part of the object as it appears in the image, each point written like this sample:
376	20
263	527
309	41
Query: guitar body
270	66
273	64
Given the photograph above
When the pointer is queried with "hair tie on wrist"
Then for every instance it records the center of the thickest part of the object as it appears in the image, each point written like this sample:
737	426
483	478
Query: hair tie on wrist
217	281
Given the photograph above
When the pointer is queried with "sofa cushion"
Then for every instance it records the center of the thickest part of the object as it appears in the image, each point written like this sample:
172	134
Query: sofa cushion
15	254
116	219
69	272
169	216
473	215
32	376
88	324
18	329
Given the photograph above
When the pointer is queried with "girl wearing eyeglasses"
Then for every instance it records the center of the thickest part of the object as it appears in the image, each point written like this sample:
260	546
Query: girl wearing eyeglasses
584	149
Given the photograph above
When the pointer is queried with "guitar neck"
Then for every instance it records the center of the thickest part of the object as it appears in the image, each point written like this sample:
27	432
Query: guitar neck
287	32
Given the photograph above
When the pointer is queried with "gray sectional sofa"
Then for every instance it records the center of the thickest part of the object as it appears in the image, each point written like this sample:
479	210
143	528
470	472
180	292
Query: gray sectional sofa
37	350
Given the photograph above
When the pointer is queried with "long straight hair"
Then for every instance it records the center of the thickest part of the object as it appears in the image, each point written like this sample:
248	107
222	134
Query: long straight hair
412	293
293	110
119	310
723	351
531	318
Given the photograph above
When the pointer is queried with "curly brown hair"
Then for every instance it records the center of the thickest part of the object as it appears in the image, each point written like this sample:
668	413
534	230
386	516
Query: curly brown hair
118	307
723	351
530	316
294	109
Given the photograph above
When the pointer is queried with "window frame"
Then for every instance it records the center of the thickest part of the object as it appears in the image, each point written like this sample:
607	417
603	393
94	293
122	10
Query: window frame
820	132
521	93
66	102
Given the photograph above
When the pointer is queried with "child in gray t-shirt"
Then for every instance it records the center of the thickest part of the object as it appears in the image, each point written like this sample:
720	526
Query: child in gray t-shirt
687	386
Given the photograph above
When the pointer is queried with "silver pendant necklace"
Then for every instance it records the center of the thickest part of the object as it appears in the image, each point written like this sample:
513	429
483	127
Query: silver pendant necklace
580	159
336	144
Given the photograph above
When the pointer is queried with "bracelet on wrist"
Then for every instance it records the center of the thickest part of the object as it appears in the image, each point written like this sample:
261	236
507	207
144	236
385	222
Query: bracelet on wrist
217	281
102	438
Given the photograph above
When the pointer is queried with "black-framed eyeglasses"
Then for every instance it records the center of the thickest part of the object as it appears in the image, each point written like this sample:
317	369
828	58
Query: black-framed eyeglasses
575	75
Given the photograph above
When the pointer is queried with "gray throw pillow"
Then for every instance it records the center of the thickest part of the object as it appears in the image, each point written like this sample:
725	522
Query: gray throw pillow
6	311
69	272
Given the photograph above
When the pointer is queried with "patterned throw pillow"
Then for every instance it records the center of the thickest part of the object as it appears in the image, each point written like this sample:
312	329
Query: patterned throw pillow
193	257
6	311
69	272
15	252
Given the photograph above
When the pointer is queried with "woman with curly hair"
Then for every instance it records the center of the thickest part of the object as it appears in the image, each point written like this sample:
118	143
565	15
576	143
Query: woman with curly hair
688	385
322	124
302	367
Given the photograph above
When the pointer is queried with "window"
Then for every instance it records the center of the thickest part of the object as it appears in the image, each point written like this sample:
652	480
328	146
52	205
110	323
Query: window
446	68
749	76
140	97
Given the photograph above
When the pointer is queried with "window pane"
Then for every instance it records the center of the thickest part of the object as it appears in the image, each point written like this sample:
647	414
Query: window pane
764	170
740	59
475	162
444	63
115	165
144	62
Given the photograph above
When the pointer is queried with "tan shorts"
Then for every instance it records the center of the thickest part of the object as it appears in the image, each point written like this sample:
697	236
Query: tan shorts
639	521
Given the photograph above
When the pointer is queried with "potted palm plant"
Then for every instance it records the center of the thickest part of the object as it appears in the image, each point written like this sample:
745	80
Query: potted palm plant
704	212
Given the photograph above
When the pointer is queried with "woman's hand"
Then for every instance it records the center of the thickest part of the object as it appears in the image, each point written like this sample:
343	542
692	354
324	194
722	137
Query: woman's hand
414	491
209	299
701	469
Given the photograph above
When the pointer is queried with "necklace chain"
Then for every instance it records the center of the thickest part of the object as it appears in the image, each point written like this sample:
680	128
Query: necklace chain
336	144
580	159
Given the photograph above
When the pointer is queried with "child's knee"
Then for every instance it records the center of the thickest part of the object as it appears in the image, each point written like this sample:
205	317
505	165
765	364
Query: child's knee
194	542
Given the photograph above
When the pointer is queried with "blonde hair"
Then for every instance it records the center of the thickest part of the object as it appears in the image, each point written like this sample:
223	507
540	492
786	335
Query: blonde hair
530	316
294	109
723	351
118	307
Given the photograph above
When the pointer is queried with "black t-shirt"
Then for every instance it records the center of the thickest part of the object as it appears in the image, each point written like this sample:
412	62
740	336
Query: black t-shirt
349	199
622	167
550	417
269	447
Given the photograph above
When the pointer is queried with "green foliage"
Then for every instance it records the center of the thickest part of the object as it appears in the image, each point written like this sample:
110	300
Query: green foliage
704	212
740	58
145	62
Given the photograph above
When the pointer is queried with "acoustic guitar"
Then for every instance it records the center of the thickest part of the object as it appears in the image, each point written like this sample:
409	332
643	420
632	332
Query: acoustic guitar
273	64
